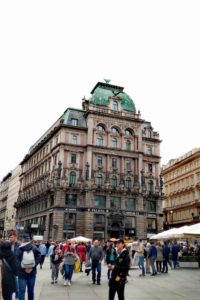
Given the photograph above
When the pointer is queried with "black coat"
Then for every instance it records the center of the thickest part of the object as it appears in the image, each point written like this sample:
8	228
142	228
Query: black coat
9	273
121	266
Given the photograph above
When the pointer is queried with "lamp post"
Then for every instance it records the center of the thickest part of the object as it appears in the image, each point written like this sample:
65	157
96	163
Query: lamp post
171	213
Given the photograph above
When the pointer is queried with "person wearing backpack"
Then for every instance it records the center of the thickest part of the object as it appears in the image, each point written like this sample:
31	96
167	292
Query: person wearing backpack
28	257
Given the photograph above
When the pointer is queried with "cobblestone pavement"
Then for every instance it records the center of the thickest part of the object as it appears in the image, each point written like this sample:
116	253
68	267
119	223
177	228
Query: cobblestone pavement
178	284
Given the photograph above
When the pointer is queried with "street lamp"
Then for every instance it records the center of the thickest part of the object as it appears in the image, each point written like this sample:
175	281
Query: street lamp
171	213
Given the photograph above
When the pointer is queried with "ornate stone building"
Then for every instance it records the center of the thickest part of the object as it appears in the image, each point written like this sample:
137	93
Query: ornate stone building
182	190
95	172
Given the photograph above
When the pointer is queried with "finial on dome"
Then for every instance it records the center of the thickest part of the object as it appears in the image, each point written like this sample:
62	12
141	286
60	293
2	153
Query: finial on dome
107	80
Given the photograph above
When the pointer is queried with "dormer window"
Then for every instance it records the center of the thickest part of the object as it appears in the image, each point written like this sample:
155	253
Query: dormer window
115	105
74	122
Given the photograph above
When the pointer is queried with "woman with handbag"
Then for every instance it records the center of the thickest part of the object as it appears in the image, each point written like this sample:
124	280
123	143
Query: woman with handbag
69	261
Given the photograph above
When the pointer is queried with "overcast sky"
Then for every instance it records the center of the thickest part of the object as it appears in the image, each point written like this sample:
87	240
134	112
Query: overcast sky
52	53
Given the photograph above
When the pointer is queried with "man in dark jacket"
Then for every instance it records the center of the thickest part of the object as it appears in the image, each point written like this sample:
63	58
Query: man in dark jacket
119	271
152	257
166	252
27	275
14	248
9	270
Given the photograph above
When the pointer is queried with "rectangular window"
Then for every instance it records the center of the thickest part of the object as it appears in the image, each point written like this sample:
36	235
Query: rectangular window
151	206
149	150
151	225
73	158
69	221
99	141
99	222
99	161
130	222
150	168
115	202
71	199
74	139
114	163
128	165
130	204
74	122
100	201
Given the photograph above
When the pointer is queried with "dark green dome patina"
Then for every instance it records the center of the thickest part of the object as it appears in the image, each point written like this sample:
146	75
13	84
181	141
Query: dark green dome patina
102	91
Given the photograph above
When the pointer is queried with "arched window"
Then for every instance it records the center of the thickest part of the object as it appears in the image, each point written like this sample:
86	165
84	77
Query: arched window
72	178
128	183
100	128
114	130
99	180
114	143
115	105
114	181
150	187
128	145
128	132
99	141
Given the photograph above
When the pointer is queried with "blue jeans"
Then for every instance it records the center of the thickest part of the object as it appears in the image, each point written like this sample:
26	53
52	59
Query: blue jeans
141	264
28	281
69	269
96	266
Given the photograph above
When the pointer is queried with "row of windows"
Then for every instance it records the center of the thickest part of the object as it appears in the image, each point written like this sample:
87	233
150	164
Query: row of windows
128	132
98	223
114	181
115	202
114	143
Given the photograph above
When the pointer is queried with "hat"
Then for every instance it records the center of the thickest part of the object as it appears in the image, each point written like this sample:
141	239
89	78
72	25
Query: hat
26	236
120	241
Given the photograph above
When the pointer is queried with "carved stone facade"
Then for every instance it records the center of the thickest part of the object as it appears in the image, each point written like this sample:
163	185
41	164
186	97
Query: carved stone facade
95	172
182	190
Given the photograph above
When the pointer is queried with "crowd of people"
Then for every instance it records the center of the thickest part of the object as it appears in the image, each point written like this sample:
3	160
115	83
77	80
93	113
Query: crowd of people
20	260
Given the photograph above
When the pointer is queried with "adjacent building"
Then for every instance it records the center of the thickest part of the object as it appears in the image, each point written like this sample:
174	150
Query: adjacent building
95	172
4	185
13	192
182	190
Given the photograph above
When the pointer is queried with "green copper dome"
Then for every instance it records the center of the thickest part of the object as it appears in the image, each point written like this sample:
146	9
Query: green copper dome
102	92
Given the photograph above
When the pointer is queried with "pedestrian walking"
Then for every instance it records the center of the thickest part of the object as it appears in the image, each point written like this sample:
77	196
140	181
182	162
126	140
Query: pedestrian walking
69	261
9	270
111	255
140	254
96	256
166	252
56	259
119	271
159	258
81	252
43	251
14	248
152	258
28	257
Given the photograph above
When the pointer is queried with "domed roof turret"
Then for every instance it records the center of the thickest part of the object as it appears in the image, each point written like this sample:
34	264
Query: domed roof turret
102	91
